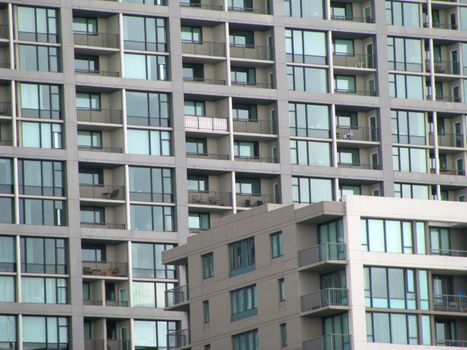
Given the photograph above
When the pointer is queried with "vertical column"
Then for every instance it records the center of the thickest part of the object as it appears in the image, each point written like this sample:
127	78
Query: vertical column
384	99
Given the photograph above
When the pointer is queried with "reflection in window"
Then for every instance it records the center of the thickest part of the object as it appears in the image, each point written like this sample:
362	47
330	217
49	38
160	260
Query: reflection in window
146	67
152	218
147	108
153	142
311	190
147	261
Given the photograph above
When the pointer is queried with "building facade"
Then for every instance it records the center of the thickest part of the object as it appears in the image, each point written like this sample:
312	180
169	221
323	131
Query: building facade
152	118
365	273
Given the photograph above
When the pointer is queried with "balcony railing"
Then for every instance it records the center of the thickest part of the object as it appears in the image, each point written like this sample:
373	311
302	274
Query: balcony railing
261	85
100	149
442	25
175	296
255	52
205	48
97	72
106	225
355	60
223	199
36	346
178	339
359	166
116	303
5	108
96	39
4	32
249	9
324	298
329	342
208	156
444	171
445	98
448	140
94	344
353	19
254	126
101	192
361	133
322	252
443	67
114	344
203	6
455	303
105	268
309	132
449	252
258	159
206	123
450	342
204	80
99	344
8	345
105	116
6	142
355	92
253	200
90	302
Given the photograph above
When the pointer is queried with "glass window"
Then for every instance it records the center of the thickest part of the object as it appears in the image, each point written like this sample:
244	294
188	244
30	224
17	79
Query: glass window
8	327
247	112
208	265
89	139
85	25
392	328
6	175
304	46
152	218
304	8
88	101
241	38
390	236
409	159
310	153
151	184
37	24
152	334
246	341
42	212
408	127
402	13
147	261
41	135
243	303
345	83
246	149
405	54
311	190
150	36
281	289
49	332
343	47
147	67
196	146
309	120
198	221
153	142
406	86
242	256
39	58
7	254
6	214
191	34
206	315
43	290
7	289
307	79
87	63
40	101
150	294
247	186
43	255
277	246
243	76
402	190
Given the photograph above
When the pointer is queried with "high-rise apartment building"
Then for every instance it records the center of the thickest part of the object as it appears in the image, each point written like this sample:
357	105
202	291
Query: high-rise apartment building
365	273
152	118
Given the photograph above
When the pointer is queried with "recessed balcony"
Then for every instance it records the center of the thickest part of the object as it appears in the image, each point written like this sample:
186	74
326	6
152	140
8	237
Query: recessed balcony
253	52
105	268
104	192
210	198
205	48
448	140
450	303
254	126
206	123
361	133
108	40
253	200
104	116
208	156
354	61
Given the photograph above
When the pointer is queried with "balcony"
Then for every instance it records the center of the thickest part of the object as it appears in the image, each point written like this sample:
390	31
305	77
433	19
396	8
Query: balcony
450	303
448	140
206	48
359	166
178	340
105	268
205	123
5	108
103	116
102	73
4	32
443	67
329	342
100	149
203	80
445	98
355	92
208	156
254	52
361	133
259	11
107	40
213	198
324	302
258	159
323	257
177	298
110	303
103	225
202	5
253	200
449	252
107	192
261	85
254	126
454	343
354	61
353	18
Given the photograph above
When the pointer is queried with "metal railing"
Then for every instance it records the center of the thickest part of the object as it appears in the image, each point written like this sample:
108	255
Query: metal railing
114	344
90	302
223	199
97	72
178	339
110	40
105	268
329	342
116	303
456	303
5	108
262	85
254	126
310	59
356	60
107	225
353	19
175	296
204	80
442	25
203	6
254	52
44	345
4	32
259	159
6	142
361	133
101	192
5	64
8	345
323	298
41	190
208	156
359	166
206	123
451	342
205	48
309	132
94	344
444	171
100	149
443	67
322	252
43	268
445	98
106	116
249	9
355	92
448	140
449	252
254	200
